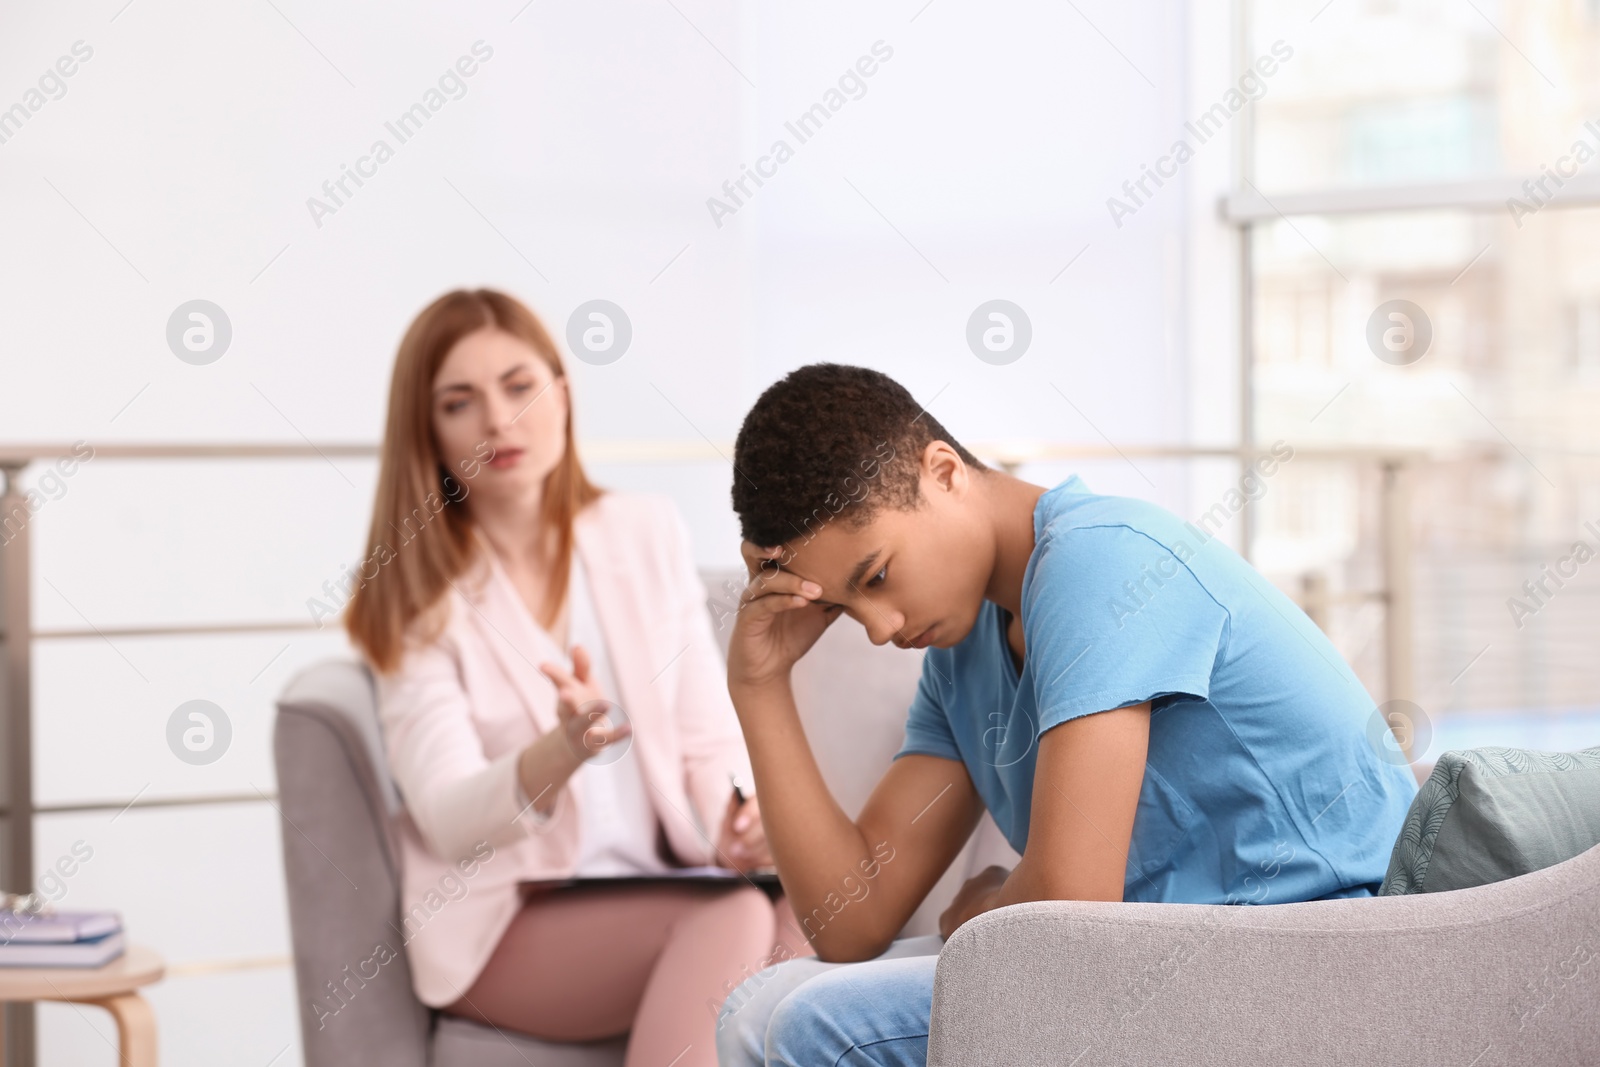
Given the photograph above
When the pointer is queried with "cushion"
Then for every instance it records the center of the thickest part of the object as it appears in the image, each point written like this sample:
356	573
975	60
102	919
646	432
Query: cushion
1486	814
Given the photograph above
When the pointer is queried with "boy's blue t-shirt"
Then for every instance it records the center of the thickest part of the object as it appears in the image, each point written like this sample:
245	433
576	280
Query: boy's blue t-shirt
1264	782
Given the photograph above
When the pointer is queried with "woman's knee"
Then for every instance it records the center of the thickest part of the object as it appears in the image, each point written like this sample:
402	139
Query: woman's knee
744	909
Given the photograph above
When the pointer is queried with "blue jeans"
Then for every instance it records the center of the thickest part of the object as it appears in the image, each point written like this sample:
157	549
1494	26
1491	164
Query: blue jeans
807	1013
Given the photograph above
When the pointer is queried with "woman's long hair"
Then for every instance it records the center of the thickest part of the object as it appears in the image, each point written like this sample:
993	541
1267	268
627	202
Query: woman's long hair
421	537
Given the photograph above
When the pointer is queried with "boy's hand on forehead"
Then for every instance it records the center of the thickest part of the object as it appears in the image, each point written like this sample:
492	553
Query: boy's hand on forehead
778	619
766	563
762	561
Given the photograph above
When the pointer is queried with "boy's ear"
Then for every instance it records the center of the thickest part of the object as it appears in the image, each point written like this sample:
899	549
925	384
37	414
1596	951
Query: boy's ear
941	463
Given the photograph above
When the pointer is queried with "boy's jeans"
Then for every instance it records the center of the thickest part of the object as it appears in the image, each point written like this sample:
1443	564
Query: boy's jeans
807	1013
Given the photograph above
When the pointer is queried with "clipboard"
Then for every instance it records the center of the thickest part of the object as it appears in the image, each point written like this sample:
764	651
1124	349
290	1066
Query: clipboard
766	878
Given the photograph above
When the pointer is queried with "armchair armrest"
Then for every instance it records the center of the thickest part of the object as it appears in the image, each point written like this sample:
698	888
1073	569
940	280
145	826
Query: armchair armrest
1497	974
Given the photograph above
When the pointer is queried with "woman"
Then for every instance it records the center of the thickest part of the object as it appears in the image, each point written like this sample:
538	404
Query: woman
490	556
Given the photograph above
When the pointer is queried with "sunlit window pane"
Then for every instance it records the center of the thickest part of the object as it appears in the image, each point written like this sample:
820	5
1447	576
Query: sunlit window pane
1475	341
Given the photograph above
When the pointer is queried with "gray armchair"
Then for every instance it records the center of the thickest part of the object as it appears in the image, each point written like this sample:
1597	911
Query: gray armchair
341	855
341	860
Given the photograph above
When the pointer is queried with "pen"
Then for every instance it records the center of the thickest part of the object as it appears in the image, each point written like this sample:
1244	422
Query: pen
738	794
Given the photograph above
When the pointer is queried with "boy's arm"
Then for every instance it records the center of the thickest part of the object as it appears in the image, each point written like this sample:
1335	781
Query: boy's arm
853	885
1085	793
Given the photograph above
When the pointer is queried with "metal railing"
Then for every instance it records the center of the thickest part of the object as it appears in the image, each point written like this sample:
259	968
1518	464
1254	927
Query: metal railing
16	562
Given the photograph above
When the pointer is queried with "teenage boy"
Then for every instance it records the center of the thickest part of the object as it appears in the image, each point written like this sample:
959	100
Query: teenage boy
1145	716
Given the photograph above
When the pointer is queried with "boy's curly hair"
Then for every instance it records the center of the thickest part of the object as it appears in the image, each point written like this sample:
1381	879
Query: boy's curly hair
824	437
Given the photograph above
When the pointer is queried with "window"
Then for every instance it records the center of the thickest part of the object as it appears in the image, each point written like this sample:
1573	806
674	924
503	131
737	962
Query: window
1422	210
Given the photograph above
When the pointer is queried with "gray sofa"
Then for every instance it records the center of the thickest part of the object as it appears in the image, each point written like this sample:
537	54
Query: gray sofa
1500	974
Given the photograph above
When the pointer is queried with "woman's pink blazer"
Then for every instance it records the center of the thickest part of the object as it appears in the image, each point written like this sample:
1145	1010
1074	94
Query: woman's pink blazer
457	713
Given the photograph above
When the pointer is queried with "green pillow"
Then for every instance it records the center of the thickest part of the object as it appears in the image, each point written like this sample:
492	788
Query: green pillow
1487	814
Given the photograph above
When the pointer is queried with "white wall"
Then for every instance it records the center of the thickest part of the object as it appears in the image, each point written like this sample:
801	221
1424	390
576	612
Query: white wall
577	165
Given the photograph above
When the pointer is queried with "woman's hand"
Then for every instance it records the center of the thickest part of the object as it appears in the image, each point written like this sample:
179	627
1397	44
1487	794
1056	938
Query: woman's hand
589	725
586	729
743	841
975	898
777	622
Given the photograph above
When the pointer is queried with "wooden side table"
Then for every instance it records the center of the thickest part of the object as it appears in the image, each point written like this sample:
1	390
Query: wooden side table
113	987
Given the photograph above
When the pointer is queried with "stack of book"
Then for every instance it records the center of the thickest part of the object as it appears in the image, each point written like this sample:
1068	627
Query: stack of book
59	938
